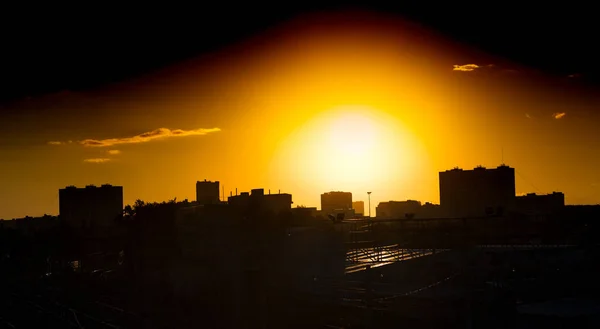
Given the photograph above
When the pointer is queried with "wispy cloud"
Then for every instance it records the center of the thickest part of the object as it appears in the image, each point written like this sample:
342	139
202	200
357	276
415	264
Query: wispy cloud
558	115
113	152
528	116
575	75
466	67
97	160
59	142
479	67
159	133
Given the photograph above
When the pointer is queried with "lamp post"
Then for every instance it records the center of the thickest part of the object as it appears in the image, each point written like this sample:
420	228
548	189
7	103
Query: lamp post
369	193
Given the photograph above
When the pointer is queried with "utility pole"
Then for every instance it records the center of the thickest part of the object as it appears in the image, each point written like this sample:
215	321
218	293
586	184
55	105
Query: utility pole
369	193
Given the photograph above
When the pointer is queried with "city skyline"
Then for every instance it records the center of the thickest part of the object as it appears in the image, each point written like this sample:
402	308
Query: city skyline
300	165
363	102
210	192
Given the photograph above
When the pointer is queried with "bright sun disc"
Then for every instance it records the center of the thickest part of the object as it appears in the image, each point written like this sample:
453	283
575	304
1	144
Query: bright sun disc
351	148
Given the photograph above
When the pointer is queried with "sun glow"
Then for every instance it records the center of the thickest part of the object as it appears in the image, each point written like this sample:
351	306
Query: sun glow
351	148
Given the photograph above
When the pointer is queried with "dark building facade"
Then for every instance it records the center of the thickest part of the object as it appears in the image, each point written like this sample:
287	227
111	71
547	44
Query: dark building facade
534	204
335	202
258	200
477	192
398	209
91	206
207	192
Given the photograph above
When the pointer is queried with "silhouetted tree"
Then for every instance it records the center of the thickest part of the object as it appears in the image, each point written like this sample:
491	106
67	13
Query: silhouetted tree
128	211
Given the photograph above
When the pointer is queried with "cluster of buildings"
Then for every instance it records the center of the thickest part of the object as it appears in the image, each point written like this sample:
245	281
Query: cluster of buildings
475	193
463	193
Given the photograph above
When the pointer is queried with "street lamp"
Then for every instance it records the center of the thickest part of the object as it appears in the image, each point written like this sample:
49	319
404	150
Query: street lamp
369	193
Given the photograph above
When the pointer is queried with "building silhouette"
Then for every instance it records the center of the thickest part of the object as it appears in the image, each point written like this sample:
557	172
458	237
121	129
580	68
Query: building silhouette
534	204
207	192
398	209
258	200
477	192
359	207
91	206
336	202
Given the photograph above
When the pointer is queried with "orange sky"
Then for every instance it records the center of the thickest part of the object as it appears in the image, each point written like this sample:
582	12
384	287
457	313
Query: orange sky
351	102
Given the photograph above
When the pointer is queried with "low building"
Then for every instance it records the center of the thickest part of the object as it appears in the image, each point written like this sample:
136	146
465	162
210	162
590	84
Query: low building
397	209
430	210
259	201
30	225
336	201
534	204
305	211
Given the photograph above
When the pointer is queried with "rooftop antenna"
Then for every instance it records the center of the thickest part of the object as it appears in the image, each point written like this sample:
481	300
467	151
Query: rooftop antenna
502	150
223	193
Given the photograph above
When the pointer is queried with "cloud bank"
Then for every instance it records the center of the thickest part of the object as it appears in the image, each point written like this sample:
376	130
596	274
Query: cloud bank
113	152
97	160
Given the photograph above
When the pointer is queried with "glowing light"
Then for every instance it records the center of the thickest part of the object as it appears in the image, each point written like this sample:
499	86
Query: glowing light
351	148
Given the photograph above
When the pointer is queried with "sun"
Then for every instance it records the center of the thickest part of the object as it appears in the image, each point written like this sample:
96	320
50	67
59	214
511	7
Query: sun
350	148
352	135
353	142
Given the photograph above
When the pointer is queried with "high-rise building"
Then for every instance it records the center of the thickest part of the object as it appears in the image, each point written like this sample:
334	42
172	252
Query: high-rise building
359	207
91	206
207	192
335	202
477	192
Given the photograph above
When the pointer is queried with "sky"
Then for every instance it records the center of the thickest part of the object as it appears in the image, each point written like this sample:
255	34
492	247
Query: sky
299	99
